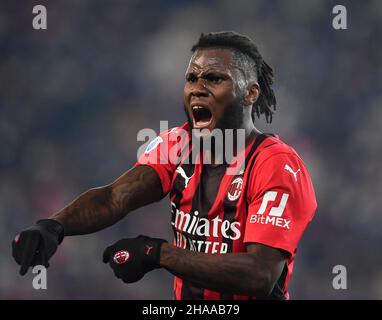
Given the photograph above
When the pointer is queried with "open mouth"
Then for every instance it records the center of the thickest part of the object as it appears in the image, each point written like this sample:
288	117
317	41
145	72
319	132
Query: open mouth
202	116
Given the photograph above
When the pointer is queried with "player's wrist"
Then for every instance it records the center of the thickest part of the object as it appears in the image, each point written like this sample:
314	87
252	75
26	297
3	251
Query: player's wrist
55	228
153	247
164	252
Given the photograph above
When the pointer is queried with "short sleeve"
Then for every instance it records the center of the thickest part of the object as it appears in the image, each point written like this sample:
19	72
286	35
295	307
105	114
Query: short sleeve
164	154
281	202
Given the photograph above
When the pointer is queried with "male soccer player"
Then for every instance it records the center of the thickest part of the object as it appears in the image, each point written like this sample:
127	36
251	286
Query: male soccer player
236	234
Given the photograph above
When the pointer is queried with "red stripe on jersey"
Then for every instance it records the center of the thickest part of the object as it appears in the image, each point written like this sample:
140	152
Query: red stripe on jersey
177	281
185	205
211	295
240	297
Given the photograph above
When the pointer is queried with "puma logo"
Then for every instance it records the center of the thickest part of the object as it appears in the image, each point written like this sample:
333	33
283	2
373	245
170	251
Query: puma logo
148	249
180	170
288	168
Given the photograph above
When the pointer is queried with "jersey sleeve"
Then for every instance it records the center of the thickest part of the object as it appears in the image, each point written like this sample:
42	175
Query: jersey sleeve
281	202
164	154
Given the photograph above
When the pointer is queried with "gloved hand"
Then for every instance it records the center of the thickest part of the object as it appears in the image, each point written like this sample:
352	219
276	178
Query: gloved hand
132	258
36	245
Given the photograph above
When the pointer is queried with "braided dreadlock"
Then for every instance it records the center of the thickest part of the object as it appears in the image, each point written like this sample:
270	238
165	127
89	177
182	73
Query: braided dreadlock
243	47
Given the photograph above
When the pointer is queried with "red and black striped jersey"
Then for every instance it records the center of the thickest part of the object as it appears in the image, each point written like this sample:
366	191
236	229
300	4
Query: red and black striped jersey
267	199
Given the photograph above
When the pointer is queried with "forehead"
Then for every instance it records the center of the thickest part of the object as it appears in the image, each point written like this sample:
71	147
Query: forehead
204	59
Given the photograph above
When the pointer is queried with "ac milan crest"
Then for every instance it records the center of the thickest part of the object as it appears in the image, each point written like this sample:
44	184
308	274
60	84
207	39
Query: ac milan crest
121	256
235	189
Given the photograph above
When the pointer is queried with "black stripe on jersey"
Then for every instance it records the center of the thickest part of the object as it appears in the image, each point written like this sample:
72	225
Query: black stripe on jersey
259	139
230	207
229	214
176	201
250	161
189	290
208	188
178	187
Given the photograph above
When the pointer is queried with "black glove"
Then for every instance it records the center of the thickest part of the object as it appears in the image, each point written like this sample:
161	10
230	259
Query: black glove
132	258
35	245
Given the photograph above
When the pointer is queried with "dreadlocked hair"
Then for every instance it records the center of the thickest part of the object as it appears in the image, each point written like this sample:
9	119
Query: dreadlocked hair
264	73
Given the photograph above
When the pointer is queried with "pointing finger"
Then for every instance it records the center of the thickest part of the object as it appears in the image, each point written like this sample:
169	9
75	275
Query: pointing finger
31	243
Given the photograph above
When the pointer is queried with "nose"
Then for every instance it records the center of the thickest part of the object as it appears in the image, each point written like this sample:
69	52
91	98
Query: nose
199	89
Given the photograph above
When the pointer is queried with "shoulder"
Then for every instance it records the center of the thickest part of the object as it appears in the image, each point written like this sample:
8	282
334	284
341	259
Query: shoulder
278	168
179	130
276	161
170	137
176	135
273	150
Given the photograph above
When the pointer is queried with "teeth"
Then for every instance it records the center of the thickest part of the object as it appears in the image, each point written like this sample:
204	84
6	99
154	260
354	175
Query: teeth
198	107
202	115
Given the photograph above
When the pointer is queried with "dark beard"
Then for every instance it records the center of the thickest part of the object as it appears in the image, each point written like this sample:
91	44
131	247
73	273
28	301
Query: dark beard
232	117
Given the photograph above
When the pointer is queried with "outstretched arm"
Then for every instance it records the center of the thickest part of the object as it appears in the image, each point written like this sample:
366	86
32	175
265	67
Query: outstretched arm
101	207
92	211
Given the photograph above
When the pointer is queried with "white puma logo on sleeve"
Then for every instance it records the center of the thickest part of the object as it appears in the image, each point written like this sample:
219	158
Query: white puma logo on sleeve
181	171
288	168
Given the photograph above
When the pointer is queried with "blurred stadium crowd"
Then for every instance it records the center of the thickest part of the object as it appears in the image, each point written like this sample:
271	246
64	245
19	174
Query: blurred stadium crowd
73	97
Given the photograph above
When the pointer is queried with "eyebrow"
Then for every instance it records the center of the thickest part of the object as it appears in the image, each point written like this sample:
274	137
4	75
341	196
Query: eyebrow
209	72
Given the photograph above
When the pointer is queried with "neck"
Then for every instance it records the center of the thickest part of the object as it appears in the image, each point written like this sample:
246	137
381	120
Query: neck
250	132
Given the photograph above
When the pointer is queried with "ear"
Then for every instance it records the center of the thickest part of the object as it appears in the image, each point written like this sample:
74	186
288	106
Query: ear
252	94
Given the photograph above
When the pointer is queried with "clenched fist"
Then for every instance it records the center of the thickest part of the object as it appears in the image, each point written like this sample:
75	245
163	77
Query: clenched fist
132	258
